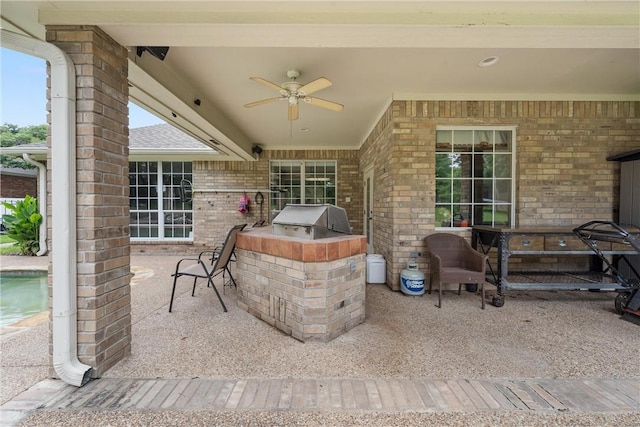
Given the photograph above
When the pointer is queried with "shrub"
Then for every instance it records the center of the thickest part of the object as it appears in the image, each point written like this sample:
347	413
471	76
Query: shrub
23	224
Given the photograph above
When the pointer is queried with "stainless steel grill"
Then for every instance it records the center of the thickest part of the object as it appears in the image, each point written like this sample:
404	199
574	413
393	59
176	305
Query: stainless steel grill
311	221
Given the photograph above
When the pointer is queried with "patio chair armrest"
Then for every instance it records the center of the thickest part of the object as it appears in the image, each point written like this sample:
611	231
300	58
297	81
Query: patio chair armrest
193	260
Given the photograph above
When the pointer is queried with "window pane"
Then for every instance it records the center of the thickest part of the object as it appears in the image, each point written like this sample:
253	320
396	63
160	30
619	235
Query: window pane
504	141
444	164
474	177
502	191
147	204
443	191
462	140
443	140
312	181
502	167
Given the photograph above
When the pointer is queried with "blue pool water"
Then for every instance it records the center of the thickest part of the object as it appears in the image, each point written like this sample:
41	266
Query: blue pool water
22	294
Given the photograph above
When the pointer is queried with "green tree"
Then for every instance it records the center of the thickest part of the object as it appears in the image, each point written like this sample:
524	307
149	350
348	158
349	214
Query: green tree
11	135
23	224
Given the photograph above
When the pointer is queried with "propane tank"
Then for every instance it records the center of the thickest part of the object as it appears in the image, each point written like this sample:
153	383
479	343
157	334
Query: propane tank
412	279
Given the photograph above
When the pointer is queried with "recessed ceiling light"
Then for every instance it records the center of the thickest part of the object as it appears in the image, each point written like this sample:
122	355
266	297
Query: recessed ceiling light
489	61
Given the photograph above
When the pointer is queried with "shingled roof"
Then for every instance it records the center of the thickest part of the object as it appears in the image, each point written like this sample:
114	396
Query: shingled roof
160	142
161	136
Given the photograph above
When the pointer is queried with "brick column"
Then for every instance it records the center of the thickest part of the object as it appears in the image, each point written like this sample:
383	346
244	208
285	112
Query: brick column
102	168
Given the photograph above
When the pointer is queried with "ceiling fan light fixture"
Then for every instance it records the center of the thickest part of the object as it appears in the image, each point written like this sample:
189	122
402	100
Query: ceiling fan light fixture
293	92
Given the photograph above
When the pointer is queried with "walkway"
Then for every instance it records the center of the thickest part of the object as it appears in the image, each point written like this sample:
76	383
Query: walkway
329	395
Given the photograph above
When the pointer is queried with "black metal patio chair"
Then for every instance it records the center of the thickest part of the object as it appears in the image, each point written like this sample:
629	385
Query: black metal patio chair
200	268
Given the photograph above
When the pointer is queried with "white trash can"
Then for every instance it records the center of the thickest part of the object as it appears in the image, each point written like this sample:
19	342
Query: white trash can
376	269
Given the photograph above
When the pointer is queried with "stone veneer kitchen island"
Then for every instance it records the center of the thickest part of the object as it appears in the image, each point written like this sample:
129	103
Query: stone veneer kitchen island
313	290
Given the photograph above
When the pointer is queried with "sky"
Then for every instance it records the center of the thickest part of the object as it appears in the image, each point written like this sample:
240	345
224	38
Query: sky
23	89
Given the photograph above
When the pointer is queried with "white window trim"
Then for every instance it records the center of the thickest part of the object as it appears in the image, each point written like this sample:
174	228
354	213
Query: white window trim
512	129
161	210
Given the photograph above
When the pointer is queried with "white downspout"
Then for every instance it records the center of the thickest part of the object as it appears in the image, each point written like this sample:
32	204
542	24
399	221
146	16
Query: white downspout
63	205
42	203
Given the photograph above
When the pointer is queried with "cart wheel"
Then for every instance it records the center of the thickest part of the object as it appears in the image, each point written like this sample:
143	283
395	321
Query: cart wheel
621	301
497	301
471	287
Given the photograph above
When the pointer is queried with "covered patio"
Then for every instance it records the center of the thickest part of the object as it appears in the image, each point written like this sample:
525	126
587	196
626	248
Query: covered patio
571	337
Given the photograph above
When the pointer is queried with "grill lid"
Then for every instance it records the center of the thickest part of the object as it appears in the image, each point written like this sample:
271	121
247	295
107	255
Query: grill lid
328	217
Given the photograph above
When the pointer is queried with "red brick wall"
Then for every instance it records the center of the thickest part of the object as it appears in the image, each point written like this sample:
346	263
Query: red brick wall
16	187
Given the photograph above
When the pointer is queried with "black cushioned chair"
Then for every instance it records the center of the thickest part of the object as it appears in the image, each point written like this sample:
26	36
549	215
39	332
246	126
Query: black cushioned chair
453	260
201	268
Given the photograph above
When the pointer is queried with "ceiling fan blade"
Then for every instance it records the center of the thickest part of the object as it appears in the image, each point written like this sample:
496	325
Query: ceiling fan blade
314	86
293	112
267	83
262	102
329	105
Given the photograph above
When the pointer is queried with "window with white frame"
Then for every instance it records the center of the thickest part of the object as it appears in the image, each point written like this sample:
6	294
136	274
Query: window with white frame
474	176
295	181
156	209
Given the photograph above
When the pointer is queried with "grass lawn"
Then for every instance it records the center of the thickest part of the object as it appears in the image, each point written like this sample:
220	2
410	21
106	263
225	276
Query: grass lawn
8	250
5	239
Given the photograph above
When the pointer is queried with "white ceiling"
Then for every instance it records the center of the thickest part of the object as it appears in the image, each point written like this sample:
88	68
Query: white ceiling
373	52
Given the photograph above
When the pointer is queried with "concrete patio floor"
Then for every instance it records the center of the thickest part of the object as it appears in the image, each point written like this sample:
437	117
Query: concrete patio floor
573	341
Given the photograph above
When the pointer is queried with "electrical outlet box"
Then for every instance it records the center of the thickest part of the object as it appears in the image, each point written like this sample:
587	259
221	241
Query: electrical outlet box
415	254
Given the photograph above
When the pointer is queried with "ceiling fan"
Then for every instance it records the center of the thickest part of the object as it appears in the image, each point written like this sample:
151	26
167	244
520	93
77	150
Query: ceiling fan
294	92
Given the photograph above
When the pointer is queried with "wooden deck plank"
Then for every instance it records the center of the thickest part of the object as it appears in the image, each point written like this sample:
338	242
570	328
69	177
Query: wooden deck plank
273	398
472	394
175	393
503	387
261	394
528	396
212	394
79	399
436	395
374	394
412	394
68	399
623	391
118	390
134	398
425	397
223	395
122	400
151	394
460	394
185	397
398	393
451	401
607	398
248	394
335	393
544	394
103	394
285	394
567	392
498	395
310	391
386	396
348	398
484	394
198	398
234	398
297	394
324	398
361	395
163	394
